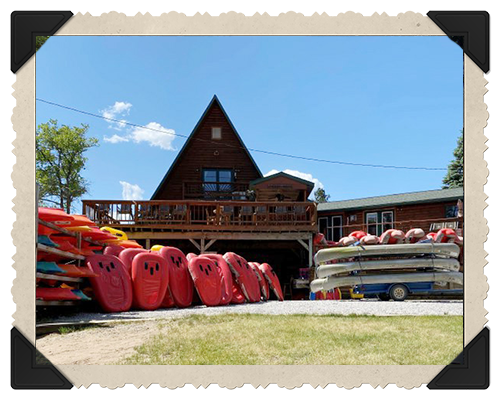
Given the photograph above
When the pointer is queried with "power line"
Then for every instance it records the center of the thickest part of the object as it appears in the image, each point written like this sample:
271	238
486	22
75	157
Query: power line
248	148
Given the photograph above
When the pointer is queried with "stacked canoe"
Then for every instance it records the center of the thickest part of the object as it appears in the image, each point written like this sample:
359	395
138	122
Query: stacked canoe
397	258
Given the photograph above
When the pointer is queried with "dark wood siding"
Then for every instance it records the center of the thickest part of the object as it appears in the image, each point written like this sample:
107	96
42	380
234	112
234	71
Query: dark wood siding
405	216
226	153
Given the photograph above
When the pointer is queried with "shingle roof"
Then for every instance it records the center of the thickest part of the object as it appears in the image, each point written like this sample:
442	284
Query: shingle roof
394	199
284	174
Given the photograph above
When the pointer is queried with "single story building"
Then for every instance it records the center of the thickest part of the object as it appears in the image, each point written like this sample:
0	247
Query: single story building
430	210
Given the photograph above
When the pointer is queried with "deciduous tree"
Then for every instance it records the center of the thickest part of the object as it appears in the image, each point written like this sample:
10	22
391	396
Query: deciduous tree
60	161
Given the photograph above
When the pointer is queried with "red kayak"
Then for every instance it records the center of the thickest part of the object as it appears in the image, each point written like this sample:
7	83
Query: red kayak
75	271
226	277
206	279
63	246
237	296
180	282
113	250
55	294
264	286
54	215
149	280
272	279
128	244
113	287
126	257
245	277
168	300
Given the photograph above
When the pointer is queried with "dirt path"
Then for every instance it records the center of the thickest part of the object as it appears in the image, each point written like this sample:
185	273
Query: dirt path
106	344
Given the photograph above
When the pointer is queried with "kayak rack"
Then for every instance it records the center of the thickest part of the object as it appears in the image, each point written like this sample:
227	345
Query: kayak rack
67	255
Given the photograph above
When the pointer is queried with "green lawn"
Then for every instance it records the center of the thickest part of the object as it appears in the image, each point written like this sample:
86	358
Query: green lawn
250	339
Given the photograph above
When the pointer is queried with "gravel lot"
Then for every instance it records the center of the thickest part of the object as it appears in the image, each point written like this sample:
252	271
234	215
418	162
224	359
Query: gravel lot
343	307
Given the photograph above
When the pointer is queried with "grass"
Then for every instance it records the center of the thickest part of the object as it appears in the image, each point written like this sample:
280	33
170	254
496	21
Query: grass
64	330
250	339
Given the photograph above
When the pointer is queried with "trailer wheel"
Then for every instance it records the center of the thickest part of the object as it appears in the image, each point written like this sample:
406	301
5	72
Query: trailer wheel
398	292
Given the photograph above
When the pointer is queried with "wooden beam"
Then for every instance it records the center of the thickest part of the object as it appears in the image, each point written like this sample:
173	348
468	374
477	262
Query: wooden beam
196	244
218	235
284	226
212	241
148	243
303	244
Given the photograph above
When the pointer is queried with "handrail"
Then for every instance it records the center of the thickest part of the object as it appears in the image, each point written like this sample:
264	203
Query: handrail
214	215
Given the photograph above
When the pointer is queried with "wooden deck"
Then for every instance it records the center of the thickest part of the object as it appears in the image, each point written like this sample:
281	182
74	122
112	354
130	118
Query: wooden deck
204	216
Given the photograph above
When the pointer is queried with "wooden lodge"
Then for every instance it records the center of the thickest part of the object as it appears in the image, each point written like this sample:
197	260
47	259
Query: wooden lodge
214	198
430	210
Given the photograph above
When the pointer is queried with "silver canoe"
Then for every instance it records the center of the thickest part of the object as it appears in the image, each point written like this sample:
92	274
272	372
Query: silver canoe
351	280
337	253
450	264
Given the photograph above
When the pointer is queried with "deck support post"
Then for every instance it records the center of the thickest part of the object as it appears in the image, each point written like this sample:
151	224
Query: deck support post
311	251
148	244
202	245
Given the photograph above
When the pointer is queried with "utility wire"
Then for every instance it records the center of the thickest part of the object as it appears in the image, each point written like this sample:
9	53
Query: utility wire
248	148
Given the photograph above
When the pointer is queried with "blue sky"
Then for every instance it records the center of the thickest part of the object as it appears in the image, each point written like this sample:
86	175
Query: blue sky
377	100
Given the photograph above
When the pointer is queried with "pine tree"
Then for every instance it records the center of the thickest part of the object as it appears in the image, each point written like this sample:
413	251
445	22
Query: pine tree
321	196
455	176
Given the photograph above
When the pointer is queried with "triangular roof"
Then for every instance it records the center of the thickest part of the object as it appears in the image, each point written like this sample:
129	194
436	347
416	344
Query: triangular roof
282	174
215	100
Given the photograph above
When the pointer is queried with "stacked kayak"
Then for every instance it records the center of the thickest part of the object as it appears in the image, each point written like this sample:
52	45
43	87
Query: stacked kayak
64	241
391	236
165	277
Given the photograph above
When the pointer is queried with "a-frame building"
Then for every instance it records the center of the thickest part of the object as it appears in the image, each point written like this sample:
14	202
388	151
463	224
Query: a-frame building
214	163
214	198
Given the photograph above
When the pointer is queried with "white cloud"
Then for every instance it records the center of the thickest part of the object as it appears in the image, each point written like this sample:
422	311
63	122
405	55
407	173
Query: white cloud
119	109
131	192
115	139
155	135
301	175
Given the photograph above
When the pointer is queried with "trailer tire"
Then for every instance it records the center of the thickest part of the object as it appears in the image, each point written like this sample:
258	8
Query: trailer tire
398	292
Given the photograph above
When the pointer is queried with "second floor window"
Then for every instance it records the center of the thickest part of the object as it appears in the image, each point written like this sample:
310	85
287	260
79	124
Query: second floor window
218	180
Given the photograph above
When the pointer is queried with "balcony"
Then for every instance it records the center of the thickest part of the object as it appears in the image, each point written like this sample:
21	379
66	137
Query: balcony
198	190
203	216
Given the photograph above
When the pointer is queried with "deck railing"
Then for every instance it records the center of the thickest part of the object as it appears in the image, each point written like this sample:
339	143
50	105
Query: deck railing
204	215
215	190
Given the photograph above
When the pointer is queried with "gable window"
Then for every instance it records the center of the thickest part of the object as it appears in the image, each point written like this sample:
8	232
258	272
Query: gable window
216	132
218	180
